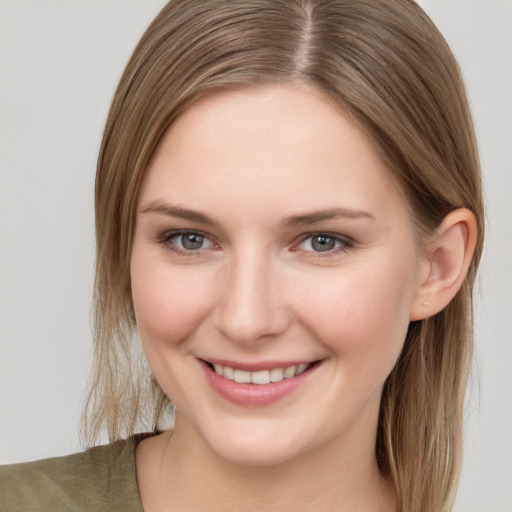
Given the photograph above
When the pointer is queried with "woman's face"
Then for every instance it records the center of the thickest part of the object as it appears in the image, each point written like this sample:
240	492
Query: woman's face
274	272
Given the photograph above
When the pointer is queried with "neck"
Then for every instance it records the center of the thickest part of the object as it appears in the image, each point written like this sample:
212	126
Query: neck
187	475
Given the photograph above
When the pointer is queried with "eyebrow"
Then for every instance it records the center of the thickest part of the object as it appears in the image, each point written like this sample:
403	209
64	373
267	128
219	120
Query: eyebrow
332	213
169	210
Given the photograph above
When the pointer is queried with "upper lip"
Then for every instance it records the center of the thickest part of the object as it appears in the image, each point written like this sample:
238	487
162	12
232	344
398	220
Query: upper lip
257	366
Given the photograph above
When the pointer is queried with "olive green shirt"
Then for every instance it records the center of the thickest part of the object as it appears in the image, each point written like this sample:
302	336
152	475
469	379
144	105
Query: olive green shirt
100	479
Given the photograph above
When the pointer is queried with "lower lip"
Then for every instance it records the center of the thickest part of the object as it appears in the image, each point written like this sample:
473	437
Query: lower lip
254	395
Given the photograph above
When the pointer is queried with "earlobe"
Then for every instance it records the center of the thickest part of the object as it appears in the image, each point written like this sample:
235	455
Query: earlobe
447	259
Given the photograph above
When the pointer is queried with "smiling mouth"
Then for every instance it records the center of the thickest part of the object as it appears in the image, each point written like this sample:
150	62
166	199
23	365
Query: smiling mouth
261	377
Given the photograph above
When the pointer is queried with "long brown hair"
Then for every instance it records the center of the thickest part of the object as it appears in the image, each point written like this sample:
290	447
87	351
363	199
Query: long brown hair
387	65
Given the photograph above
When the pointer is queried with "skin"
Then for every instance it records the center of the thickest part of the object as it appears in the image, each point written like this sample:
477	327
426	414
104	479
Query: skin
257	291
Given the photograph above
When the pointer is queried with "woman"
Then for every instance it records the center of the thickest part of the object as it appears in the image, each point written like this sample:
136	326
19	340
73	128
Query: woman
289	216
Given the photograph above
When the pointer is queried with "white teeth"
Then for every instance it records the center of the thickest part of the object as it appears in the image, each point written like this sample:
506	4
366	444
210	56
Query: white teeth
276	374
261	377
290	372
242	376
301	368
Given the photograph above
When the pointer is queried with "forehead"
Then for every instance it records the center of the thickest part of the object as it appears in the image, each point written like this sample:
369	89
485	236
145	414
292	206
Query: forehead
288	145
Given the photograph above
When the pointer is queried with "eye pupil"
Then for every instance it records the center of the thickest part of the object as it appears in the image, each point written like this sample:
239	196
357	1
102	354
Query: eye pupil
192	241
323	243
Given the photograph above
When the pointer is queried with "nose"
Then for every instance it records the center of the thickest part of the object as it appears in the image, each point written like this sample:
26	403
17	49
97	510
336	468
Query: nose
252	305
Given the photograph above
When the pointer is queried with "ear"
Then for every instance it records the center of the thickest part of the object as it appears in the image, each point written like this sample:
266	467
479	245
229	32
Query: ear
447	257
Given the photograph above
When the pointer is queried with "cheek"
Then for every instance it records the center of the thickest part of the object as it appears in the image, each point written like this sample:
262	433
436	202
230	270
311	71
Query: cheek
168	307
361	315
168	310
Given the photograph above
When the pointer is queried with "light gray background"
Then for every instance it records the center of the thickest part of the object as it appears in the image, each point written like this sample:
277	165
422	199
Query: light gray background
59	64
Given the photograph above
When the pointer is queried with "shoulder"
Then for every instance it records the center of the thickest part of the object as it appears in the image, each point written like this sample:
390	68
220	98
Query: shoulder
101	478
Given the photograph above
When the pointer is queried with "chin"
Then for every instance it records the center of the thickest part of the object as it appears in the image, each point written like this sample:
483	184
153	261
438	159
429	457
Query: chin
257	454
254	443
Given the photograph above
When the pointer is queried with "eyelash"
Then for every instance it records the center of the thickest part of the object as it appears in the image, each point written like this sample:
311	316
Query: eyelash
166	240
342	244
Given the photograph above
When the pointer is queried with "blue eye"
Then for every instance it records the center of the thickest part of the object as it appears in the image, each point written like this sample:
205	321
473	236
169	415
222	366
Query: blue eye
187	241
323	243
